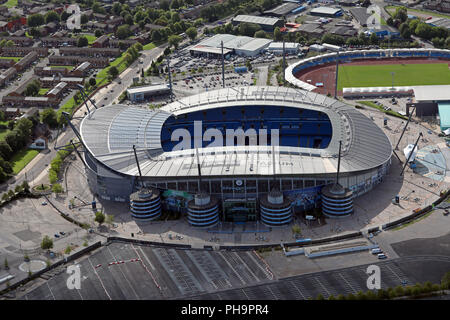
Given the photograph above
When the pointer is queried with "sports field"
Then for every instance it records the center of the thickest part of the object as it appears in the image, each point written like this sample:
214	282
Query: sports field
404	75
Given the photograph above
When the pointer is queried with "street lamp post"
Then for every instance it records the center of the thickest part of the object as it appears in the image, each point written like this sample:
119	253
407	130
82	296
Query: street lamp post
392	74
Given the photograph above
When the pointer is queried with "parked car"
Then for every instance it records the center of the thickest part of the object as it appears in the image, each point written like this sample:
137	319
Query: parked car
382	256
56	235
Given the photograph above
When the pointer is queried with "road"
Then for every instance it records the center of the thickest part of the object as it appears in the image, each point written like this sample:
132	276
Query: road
38	168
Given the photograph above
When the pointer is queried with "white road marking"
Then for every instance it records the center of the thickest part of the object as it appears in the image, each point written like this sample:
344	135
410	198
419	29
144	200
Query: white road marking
101	282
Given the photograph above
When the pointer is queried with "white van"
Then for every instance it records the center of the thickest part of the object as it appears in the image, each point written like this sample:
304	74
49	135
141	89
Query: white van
376	251
382	256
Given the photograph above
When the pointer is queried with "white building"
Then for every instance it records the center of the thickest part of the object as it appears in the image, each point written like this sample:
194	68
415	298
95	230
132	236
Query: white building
289	47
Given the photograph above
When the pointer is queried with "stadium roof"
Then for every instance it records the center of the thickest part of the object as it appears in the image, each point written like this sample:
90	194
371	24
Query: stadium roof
432	93
270	21
110	132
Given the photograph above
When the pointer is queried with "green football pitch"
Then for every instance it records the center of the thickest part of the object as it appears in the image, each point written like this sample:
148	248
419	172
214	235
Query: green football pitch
404	75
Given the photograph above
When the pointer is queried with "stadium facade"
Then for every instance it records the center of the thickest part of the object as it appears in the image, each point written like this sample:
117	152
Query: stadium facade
239	181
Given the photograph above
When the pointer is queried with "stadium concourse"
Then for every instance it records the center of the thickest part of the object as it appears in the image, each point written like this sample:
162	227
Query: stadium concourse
318	73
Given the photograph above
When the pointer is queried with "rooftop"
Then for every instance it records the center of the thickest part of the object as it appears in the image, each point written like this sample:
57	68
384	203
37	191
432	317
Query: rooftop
110	132
150	88
255	19
432	93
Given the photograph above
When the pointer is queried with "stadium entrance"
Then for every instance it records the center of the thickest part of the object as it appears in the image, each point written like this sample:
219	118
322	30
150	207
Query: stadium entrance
239	210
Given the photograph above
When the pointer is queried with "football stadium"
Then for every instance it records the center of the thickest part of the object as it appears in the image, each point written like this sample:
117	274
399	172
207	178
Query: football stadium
383	71
286	150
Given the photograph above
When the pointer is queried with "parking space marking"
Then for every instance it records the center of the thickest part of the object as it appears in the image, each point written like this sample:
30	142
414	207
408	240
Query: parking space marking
145	256
50	290
346	281
299	291
231	267
123	274
246	267
101	282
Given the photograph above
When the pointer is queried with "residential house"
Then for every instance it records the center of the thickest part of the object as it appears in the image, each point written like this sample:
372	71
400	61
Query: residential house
26	61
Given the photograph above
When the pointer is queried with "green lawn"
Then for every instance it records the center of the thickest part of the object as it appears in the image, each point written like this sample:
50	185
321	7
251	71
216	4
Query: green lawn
43	91
3	133
391	11
58	67
374	105
102	76
14	58
90	38
11	3
149	46
405	75
22	158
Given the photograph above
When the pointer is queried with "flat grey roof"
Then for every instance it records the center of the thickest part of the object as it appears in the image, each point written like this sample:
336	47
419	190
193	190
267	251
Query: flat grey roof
110	132
325	10
432	93
270	21
233	42
146	89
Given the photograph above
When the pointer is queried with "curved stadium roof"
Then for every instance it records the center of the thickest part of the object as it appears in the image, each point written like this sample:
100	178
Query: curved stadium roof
109	134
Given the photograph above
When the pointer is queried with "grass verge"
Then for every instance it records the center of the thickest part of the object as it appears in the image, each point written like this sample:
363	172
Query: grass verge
412	221
22	158
390	112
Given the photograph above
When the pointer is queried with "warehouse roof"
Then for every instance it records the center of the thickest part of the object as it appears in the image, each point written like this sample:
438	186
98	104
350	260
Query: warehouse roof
270	21
325	10
110	132
432	93
233	42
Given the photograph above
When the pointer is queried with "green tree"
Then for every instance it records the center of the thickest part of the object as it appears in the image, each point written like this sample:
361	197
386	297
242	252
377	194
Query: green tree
99	217
92	82
52	16
113	72
32	88
49	117
57	188
68	250
6	264
260	34
174	40
191	33
277	35
445	281
46	243
123	32
35	20
82	42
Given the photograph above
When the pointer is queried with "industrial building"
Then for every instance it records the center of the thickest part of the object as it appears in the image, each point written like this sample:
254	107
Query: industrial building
267	24
289	47
142	93
239	45
282	10
132	155
326	12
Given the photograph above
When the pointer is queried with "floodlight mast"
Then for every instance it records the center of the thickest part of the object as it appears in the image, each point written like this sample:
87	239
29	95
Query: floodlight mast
411	153
86	97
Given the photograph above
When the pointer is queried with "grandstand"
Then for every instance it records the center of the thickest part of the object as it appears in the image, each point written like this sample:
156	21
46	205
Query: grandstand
286	173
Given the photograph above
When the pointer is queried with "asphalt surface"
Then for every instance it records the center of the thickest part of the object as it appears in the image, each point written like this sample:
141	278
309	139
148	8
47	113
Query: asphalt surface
160	273
341	281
